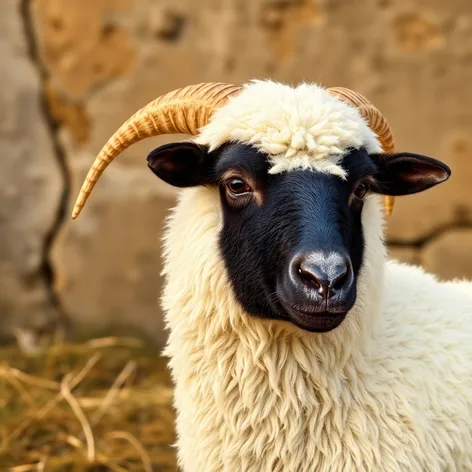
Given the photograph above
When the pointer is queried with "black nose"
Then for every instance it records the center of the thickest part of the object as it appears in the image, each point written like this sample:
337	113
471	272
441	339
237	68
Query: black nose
325	274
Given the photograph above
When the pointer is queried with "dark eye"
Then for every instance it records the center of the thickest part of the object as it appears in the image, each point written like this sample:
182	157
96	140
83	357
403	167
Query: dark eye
237	186
361	190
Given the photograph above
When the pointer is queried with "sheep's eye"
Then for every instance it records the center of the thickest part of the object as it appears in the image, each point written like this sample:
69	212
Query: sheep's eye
237	187
361	190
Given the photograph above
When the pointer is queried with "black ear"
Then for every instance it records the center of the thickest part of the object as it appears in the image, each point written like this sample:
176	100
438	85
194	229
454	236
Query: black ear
405	173
183	164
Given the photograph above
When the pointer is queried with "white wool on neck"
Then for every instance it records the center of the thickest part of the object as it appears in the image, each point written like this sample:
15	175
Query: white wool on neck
232	371
302	127
389	389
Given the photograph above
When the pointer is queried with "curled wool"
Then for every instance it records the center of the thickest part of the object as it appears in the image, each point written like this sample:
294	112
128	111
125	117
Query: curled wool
301	127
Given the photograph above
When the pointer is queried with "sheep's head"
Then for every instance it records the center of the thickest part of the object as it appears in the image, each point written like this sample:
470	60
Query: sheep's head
294	168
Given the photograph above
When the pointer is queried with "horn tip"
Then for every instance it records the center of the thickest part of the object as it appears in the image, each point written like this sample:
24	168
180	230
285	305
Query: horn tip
75	213
389	206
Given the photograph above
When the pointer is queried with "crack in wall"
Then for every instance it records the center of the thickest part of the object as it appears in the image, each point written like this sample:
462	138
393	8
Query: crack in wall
47	268
420	243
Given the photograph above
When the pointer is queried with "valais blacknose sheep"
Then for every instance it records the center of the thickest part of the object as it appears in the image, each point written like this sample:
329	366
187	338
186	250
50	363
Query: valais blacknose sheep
294	345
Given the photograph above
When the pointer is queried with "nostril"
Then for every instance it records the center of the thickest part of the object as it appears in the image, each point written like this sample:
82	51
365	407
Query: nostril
308	277
340	279
312	278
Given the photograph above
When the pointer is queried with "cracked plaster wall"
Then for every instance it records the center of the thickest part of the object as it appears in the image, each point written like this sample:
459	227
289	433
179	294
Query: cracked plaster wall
74	70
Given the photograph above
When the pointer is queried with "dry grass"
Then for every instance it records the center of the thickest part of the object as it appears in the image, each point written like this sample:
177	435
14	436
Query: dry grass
103	405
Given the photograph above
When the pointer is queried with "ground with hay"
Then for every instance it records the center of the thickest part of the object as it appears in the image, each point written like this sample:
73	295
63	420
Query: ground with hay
102	405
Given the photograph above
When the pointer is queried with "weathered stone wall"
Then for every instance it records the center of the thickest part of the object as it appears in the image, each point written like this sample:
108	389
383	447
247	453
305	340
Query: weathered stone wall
31	182
73	70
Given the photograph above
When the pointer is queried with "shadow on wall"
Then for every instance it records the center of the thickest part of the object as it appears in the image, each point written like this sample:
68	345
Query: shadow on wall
71	75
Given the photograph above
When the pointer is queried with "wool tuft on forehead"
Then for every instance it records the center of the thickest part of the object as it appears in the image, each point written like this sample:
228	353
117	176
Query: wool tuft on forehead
302	127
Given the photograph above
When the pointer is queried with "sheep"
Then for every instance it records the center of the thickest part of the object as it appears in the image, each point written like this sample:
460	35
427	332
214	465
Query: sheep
294	344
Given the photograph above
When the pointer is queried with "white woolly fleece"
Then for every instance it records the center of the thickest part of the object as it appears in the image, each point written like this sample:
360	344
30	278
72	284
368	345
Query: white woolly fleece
389	390
298	127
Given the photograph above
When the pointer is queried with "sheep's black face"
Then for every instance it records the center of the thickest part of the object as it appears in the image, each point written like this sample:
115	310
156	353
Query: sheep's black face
293	243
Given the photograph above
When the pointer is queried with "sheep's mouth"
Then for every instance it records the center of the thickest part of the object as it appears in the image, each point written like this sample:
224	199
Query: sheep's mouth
313	320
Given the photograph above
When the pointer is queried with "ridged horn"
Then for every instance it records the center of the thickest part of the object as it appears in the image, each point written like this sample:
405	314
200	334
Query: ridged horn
376	121
184	111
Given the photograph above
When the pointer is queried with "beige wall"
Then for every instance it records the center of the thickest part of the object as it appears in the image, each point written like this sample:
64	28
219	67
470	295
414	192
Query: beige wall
71	71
